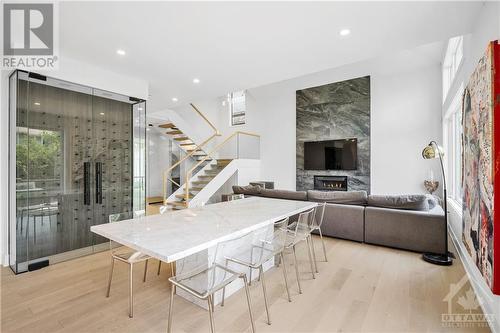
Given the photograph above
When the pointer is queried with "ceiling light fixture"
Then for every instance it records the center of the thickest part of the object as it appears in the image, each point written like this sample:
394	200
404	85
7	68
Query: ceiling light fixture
102	113
37	103
120	52
196	80
344	32
174	99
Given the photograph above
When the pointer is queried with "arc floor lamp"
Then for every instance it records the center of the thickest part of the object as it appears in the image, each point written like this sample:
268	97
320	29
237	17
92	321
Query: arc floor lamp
432	150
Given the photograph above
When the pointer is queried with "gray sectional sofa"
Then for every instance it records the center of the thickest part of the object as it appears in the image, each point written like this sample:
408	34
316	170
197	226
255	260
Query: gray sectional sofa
410	222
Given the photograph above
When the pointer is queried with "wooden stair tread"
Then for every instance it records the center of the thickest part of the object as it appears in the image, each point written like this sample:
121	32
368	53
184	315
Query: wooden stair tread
196	188
177	203
207	176
182	138
200	182
174	132
188	144
167	125
182	196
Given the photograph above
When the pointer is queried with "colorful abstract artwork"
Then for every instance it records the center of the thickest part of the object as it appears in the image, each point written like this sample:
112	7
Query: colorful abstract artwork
480	103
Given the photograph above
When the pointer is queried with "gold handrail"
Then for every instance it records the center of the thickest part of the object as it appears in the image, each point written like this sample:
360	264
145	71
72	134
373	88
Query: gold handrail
197	148
205	118
209	155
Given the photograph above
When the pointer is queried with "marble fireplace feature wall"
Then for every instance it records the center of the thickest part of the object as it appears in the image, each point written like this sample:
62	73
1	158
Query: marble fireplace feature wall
339	110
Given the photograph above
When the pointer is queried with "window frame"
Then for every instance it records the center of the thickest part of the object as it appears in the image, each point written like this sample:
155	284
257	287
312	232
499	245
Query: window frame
452	140
452	62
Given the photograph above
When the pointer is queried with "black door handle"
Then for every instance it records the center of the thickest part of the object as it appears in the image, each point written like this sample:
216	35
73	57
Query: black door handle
86	183
98	182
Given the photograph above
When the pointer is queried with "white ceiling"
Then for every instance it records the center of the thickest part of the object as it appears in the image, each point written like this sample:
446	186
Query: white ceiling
237	45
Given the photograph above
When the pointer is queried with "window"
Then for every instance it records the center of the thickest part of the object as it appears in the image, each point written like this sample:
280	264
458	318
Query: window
451	63
237	107
453	147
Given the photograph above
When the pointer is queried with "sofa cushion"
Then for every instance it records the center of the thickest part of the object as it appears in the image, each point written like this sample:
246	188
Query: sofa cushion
284	194
248	190
420	202
338	197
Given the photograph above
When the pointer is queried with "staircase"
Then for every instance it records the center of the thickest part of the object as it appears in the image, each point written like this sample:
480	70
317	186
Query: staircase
186	143
198	183
206	172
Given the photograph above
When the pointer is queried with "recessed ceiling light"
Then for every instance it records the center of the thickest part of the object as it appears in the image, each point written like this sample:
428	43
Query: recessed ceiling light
344	32
37	103
196	80
140	109
102	113
174	99
120	52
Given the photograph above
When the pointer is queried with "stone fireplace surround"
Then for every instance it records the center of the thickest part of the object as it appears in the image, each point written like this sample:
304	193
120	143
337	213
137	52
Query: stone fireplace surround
334	111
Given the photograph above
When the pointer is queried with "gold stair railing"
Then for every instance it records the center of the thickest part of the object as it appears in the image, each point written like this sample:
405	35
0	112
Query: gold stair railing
197	148
189	173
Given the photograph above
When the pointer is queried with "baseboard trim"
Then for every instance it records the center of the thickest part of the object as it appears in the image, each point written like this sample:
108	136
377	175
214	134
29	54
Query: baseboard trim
483	292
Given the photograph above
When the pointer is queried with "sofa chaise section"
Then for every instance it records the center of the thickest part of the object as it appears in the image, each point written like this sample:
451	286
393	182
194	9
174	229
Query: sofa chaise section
420	231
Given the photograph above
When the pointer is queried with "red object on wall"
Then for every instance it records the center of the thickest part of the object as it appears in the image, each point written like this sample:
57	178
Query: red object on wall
495	95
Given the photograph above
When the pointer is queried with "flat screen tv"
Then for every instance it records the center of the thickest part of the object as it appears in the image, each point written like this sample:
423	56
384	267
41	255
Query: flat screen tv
331	155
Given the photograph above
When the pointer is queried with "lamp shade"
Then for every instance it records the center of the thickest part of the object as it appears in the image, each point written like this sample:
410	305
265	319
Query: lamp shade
432	150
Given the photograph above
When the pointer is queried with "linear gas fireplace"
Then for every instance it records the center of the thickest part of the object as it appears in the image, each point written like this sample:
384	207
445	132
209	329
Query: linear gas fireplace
330	183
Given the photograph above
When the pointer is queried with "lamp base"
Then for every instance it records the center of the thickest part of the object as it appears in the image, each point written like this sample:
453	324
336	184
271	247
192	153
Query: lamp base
439	259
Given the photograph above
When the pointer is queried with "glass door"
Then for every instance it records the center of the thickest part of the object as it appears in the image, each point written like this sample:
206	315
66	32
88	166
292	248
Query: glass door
74	166
112	186
52	153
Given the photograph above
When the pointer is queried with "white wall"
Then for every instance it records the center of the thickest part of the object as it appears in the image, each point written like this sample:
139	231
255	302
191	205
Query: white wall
69	70
405	116
486	29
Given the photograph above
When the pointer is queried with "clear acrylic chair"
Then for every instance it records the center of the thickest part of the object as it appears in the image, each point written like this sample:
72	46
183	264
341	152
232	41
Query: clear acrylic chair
315	225
128	257
267	245
203	274
298	232
319	214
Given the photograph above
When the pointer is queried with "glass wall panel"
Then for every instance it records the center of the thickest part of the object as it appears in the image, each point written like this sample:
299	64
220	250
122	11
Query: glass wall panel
139	128
74	156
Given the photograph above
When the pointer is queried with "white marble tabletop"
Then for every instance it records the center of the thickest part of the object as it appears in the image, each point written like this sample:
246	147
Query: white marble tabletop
178	234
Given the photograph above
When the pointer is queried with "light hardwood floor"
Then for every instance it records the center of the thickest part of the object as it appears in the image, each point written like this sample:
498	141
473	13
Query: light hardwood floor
361	288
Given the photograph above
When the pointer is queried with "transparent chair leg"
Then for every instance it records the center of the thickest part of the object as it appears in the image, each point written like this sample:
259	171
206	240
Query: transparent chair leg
224	289
170	310
247	292
145	271
261	275
211	313
314	254
296	268
250	268
323	242
310	257
131	292
110	276
285	276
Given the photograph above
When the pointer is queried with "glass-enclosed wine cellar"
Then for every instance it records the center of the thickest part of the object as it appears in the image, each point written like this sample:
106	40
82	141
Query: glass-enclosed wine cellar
77	154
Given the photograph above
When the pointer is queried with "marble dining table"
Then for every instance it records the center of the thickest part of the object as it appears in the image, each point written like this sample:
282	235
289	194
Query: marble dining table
176	235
